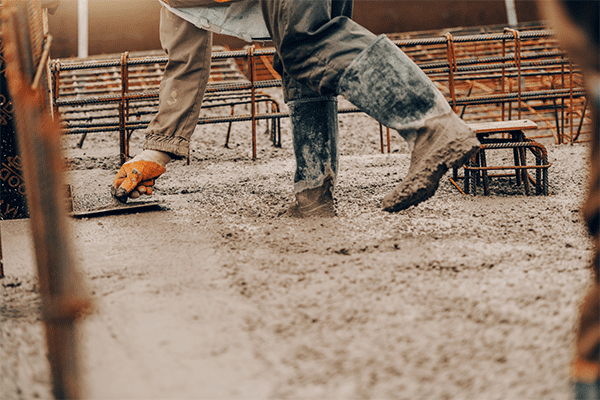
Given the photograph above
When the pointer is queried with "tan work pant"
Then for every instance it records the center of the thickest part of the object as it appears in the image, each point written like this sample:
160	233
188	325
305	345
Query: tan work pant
182	87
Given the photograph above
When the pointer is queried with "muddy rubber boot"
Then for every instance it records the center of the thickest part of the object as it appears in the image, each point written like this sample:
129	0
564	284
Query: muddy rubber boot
386	84
315	137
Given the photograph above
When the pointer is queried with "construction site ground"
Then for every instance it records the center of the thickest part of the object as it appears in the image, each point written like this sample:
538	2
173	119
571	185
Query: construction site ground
218	296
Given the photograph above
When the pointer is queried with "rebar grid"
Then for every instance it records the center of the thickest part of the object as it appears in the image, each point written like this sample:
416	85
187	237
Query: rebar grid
486	73
88	99
513	74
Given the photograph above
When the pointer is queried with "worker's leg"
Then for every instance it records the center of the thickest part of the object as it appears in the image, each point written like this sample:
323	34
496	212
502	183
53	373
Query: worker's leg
320	47
180	99
389	86
315	139
182	87
315	40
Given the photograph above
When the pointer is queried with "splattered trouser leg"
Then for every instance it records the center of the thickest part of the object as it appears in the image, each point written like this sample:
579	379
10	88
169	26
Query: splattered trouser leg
314	135
320	47
182	87
315	41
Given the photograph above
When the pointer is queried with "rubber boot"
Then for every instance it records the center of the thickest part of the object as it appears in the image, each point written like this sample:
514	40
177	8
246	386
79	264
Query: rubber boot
315	137
386	84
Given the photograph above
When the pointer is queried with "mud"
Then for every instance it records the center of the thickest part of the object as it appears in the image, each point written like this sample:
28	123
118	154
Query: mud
215	296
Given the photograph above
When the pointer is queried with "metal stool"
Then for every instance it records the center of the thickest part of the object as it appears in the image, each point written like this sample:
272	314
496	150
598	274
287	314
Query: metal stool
476	169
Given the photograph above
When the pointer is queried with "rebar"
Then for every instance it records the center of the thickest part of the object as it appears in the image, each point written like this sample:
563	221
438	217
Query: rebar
477	167
61	292
1	259
490	72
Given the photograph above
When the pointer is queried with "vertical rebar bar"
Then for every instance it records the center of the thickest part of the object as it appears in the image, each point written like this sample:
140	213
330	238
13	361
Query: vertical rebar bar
62	294
451	56
517	38
562	105
581	119
55	70
571	100
389	143
123	137
503	77
381	137
252	97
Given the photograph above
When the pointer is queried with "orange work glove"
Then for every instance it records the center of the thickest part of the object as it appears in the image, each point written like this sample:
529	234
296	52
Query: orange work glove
136	176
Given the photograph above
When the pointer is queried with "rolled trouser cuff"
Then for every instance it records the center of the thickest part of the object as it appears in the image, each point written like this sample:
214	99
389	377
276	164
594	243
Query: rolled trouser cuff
315	137
178	147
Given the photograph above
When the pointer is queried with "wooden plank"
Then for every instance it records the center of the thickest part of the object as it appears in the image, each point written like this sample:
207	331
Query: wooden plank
503	126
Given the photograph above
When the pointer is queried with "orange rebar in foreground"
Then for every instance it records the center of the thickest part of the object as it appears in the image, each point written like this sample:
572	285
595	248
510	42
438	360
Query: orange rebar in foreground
63	297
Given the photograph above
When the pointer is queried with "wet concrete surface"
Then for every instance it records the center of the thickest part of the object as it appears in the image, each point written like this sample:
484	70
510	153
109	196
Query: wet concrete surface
216	296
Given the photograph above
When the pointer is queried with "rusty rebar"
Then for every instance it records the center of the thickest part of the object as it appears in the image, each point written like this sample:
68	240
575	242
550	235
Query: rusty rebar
62	294
455	62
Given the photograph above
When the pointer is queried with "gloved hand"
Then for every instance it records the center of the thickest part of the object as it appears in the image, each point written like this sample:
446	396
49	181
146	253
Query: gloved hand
136	176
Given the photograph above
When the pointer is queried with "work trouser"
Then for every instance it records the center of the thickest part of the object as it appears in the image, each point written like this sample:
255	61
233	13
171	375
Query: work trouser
182	87
315	42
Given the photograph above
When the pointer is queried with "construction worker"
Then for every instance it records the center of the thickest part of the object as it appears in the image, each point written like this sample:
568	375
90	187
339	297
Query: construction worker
576	24
320	53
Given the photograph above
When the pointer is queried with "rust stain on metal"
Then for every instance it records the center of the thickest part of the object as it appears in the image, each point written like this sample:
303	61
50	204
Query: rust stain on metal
62	294
493	75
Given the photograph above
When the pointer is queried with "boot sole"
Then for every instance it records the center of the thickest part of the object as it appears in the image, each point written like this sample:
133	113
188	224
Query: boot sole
425	192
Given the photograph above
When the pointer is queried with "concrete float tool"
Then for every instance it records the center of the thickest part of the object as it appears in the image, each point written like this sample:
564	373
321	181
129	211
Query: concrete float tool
115	207
118	207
